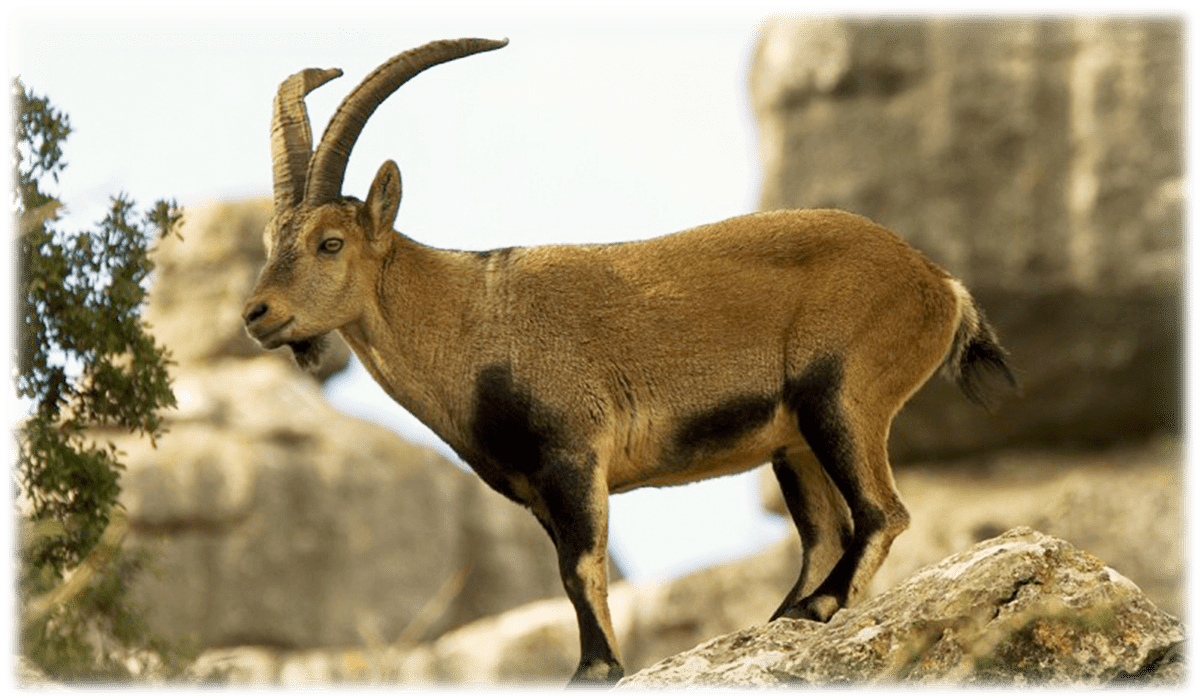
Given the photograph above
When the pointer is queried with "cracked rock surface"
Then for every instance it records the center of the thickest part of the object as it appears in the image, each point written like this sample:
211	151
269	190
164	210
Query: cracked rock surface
1022	608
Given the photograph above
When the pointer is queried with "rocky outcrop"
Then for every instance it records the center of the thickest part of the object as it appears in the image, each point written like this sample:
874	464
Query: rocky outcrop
538	643
1041	161
278	521
1019	609
1126	506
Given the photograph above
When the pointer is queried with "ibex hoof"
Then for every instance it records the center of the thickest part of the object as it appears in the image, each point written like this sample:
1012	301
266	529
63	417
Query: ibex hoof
597	673
815	607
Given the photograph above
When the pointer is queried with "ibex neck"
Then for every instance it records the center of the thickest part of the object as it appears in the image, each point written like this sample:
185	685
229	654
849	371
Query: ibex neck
413	336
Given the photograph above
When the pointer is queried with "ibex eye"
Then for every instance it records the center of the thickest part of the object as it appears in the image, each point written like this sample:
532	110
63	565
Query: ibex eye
331	245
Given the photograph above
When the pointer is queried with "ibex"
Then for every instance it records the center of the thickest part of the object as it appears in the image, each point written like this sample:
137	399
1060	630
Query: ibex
562	374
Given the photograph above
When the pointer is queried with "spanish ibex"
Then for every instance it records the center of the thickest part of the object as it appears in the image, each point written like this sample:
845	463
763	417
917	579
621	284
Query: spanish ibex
562	374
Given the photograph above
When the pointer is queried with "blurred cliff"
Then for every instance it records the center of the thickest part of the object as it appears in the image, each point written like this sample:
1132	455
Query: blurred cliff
1041	162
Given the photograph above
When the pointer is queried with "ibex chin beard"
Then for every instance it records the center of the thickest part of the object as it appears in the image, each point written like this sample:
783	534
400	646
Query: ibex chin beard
309	351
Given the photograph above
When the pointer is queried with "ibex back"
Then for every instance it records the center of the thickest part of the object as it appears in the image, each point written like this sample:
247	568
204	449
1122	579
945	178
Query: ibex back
562	374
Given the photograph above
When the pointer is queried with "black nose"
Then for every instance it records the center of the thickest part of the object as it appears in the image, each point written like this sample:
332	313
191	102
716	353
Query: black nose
256	312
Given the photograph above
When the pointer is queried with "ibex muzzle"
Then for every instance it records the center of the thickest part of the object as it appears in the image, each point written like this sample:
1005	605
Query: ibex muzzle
562	374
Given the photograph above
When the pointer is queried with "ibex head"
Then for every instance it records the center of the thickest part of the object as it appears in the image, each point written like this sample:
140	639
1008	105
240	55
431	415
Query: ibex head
324	250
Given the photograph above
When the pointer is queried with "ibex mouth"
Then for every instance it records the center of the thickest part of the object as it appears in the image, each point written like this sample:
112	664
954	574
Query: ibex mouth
307	351
272	337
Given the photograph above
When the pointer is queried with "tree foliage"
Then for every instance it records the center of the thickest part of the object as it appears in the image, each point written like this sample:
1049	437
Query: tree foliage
84	357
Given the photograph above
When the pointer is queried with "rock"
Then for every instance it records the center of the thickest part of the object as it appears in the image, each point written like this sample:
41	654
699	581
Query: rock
282	522
676	615
202	279
538	643
1123	505
535	644
1022	609
1040	161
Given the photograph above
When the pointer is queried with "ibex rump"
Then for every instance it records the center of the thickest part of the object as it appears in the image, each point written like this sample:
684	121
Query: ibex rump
562	374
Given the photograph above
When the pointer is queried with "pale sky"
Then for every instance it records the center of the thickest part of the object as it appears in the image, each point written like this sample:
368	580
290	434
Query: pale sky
599	125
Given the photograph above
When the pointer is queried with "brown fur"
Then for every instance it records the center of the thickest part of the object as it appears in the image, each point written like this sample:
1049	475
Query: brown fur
682	321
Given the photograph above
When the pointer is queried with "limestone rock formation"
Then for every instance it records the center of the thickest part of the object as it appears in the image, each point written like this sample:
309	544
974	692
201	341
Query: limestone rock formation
285	523
538	643
1039	160
281	522
1020	609
1126	506
985	600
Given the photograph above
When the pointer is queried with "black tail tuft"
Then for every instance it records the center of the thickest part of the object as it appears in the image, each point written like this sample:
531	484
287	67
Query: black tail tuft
977	361
984	364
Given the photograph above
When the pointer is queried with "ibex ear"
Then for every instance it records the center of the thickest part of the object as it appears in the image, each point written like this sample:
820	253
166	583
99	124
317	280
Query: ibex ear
384	199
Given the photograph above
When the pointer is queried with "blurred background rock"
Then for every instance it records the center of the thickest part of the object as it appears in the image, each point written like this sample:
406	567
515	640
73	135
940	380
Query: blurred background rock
1039	160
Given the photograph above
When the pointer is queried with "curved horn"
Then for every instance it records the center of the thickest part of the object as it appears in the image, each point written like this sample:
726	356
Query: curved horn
328	166
291	138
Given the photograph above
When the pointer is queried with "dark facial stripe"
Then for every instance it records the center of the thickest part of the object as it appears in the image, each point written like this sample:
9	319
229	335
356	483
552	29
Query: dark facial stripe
281	268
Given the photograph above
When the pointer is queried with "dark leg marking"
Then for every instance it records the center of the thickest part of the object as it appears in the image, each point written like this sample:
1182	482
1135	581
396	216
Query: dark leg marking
510	427
793	496
814	398
513	434
519	439
578	511
817	511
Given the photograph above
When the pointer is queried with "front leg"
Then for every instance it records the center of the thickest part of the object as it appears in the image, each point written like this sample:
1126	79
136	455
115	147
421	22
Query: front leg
575	512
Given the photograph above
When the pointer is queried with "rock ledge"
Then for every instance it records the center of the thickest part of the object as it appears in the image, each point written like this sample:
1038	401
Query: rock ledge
1019	609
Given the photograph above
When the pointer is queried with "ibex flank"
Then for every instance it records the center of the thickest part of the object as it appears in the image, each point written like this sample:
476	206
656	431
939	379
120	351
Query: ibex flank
562	374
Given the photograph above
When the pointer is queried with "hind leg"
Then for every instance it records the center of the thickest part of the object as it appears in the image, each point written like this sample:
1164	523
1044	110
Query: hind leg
821	519
851	446
878	516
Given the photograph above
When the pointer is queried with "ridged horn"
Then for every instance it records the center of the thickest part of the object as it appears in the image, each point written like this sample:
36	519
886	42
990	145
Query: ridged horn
291	137
328	166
